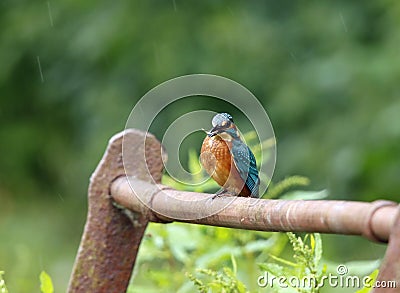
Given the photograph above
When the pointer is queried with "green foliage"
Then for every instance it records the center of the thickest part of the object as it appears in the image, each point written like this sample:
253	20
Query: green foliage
3	287
167	250
306	266
294	181
46	284
225	282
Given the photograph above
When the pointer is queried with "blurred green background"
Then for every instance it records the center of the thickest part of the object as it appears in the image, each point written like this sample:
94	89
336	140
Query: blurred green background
327	72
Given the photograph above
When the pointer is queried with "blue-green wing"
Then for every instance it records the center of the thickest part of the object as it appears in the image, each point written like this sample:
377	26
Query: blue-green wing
245	163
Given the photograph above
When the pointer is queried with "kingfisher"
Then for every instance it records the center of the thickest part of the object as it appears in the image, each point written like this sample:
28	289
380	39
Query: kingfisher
228	160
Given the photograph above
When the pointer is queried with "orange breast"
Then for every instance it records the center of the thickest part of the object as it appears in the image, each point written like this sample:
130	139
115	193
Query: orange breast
218	163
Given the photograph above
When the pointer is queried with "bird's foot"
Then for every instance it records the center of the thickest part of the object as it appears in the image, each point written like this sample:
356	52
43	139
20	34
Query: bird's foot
224	192
219	193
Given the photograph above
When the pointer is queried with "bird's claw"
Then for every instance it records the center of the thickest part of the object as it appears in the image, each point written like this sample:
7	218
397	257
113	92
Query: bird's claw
223	192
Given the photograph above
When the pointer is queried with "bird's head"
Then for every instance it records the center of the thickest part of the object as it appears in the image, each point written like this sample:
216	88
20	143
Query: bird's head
223	125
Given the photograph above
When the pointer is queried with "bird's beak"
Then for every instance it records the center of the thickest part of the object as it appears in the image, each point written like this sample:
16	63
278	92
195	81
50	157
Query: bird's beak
215	130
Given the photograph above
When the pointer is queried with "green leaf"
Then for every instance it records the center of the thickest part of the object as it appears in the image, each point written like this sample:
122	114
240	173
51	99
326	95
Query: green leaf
283	261
234	264
273	268
260	245
180	241
3	287
317	248
241	287
312	242
279	188
46	285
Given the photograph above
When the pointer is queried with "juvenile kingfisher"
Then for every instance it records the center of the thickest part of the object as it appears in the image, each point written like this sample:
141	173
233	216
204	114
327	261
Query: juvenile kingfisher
228	160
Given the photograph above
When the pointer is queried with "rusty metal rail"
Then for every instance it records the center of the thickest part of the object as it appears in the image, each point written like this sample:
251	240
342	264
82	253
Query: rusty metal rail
371	220
129	174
